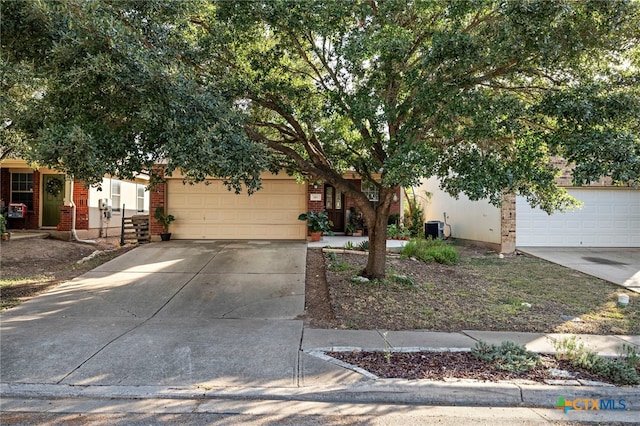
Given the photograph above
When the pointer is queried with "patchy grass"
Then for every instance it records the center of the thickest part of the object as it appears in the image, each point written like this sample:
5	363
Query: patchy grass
516	293
431	250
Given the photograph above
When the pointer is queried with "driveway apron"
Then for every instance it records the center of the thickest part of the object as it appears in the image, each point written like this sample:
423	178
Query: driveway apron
620	266
183	313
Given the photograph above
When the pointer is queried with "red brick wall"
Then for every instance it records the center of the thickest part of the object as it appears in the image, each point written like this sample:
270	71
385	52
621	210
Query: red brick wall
5	180
34	216
81	200
315	206
65	218
156	199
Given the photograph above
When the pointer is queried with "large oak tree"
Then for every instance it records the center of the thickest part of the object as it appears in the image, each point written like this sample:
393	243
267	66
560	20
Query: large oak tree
479	93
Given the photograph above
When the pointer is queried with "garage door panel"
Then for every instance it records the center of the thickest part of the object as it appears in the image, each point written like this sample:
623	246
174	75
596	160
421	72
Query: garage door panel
212	212
608	218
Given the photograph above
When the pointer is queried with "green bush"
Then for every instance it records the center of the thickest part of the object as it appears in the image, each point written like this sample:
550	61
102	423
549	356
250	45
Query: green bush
620	371
364	245
508	356
431	250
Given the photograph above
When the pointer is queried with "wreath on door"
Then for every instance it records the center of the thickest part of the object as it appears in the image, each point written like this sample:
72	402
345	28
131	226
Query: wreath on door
54	186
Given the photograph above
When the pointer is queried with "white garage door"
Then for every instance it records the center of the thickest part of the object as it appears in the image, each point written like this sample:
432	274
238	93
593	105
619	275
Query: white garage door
212	212
608	218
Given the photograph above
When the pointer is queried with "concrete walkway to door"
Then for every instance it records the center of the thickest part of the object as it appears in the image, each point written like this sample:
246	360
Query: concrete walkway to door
617	265
180	313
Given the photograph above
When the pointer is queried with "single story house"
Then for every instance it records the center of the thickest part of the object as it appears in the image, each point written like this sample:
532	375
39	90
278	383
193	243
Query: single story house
609	217
55	203
207	210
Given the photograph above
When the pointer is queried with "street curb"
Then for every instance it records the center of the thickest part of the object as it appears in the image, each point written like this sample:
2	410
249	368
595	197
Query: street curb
383	391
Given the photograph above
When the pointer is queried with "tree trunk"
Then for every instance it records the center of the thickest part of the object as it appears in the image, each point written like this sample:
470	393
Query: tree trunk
377	259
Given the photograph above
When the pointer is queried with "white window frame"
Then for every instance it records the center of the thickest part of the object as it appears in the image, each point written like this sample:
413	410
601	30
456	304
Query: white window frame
26	190
116	192
140	197
371	191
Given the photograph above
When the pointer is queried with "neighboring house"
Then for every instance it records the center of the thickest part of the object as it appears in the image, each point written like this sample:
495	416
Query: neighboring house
208	210
50	206
609	217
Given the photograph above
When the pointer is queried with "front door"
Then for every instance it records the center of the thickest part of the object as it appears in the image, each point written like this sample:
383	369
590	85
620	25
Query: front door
334	205
52	199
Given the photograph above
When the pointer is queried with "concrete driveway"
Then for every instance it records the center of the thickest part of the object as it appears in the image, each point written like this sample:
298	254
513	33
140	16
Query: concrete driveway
187	313
617	265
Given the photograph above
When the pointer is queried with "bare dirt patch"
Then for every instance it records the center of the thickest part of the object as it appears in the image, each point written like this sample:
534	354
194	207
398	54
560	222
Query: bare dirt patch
31	266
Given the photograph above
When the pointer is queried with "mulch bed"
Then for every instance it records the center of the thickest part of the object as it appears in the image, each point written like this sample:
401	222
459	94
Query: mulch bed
449	365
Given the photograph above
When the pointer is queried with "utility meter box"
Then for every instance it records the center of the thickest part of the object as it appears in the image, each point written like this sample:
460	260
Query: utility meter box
104	204
17	211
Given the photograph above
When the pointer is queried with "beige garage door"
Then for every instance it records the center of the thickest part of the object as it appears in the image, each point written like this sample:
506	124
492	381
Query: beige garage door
212	212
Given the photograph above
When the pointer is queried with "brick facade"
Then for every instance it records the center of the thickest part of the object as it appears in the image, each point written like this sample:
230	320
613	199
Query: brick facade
348	201
315	206
65	218
157	198
508	224
81	200
565	178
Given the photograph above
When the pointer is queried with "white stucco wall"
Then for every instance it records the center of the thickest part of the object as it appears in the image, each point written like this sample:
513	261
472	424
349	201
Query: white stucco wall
469	220
128	197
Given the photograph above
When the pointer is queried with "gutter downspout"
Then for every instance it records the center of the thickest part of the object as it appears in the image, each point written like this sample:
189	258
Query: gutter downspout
74	234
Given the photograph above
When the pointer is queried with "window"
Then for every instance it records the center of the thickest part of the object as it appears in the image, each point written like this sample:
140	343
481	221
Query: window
22	189
328	197
140	198
370	190
115	195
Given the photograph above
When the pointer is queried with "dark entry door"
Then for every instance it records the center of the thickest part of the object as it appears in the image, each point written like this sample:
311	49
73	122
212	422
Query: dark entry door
334	205
52	199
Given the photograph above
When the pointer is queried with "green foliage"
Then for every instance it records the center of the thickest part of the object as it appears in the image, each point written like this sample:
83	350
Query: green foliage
508	356
394	219
414	217
316	221
364	245
392	231
3	224
622	370
402	280
163	219
431	250
355	220
349	246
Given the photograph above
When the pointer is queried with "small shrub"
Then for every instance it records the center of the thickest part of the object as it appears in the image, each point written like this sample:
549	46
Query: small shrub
364	245
508	356
336	263
621	371
431	250
349	246
402	280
